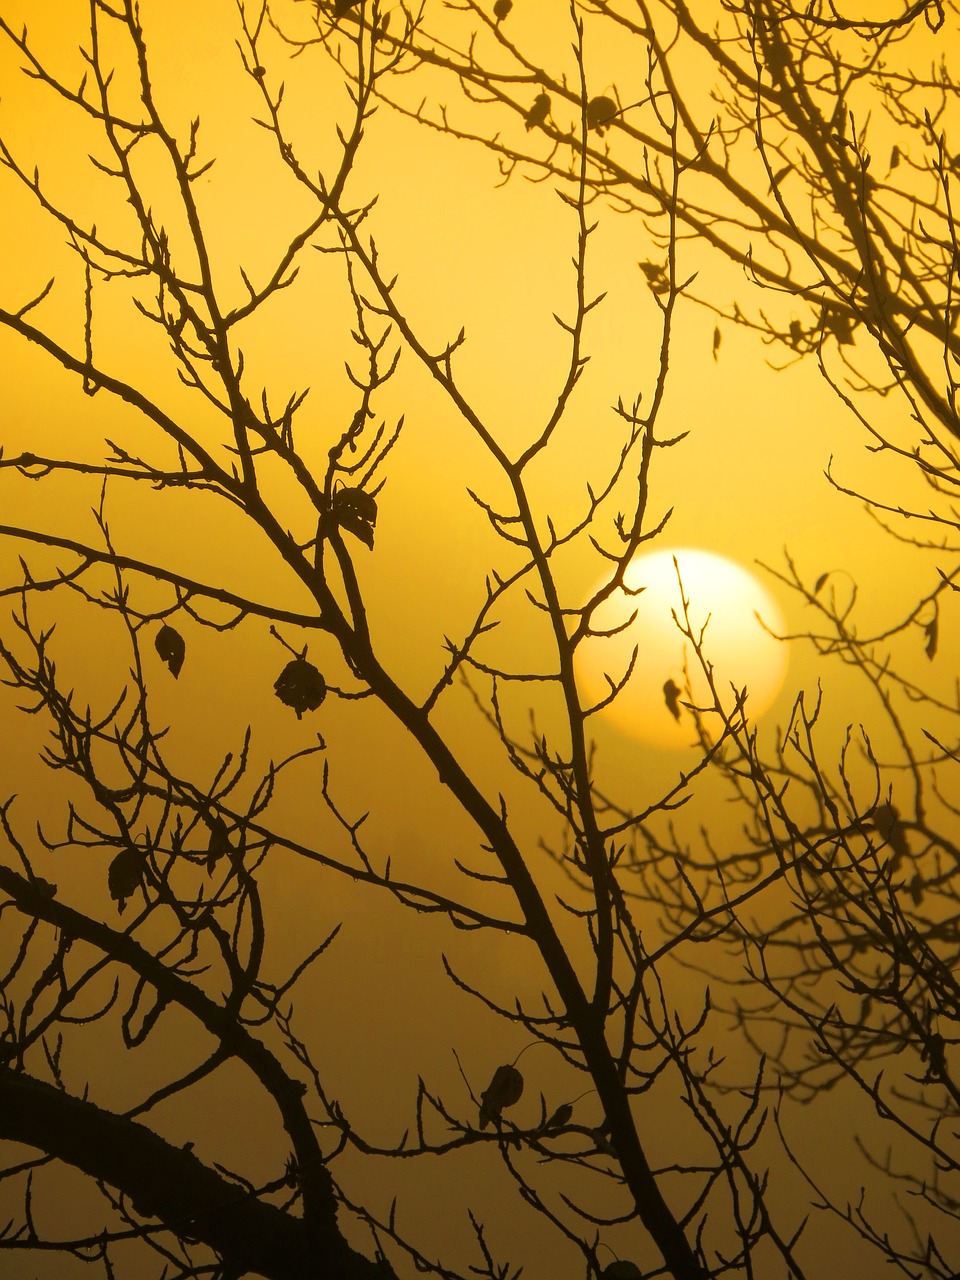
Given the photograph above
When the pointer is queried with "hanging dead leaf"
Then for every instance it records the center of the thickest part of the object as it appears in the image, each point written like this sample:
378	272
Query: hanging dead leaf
538	112
932	1051
560	1117
886	819
932	633
356	511
219	841
820	582
717	339
171	648
501	9
125	875
894	157
301	686
916	889
656	274
839	324
503	1090
622	1269
601	112
671	696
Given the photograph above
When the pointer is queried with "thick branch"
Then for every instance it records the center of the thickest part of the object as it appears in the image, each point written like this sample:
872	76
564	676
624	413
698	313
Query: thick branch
169	1183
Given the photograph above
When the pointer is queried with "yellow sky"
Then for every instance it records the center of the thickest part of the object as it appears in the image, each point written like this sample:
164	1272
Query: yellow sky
498	263
746	483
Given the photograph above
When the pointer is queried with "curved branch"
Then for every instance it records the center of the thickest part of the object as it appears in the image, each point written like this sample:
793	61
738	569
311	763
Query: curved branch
170	1183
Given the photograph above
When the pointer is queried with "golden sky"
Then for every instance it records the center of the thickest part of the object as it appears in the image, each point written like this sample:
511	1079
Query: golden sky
747	482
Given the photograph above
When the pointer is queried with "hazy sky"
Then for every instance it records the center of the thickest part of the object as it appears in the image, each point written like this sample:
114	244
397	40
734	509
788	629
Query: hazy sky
746	483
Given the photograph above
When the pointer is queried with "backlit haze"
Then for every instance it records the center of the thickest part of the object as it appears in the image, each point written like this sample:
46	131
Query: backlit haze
743	498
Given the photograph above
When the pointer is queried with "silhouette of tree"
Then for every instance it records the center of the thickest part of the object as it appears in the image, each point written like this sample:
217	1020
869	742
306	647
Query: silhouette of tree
693	992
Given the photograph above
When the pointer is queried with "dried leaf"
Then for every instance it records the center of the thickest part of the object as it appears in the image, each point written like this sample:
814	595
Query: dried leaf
125	875
538	112
356	511
819	584
932	632
622	1269
652	270
171	648
219	842
503	1090
931	1050
717	339
560	1117
601	112
671	696
894	157
839	324
916	889
501	9
656	274
886	819
301	686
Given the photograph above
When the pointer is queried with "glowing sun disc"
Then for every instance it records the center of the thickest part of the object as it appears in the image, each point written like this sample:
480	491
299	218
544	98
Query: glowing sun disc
722	595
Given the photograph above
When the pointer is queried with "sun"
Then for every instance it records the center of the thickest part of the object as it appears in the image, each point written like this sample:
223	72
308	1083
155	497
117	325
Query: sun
725	602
